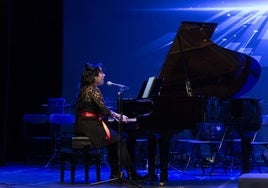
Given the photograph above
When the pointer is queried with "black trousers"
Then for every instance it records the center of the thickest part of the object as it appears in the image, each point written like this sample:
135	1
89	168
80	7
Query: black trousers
162	139
119	157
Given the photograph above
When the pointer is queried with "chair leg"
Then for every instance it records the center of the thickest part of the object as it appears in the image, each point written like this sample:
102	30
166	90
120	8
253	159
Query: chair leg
62	168
255	163
187	164
86	173
73	165
98	167
97	159
192	156
263	157
86	166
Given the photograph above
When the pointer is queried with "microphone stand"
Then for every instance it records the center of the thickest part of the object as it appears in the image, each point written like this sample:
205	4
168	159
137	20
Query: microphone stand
120	173
120	132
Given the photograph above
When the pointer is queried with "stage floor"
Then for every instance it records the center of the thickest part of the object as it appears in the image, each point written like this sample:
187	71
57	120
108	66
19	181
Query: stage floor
36	175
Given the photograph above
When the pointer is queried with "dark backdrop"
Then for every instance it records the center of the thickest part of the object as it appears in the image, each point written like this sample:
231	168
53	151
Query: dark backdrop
131	38
31	65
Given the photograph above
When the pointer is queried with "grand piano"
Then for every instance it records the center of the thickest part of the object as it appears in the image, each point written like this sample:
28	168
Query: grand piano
196	71
202	82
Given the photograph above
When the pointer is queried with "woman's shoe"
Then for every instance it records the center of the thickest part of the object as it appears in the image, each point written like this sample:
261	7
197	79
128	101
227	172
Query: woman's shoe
163	179
162	183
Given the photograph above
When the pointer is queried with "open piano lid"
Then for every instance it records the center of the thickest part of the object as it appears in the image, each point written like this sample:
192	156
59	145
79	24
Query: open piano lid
211	69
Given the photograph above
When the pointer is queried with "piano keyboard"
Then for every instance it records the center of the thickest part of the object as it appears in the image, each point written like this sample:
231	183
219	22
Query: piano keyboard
129	120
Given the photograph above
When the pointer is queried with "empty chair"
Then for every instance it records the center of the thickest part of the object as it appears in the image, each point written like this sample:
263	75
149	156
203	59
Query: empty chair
258	151
211	136
259	145
62	127
37	136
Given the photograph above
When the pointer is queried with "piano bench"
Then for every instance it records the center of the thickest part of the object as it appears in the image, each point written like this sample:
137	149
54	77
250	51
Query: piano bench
79	149
250	180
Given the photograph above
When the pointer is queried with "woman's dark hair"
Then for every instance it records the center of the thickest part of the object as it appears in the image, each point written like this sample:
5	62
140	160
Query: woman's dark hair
89	73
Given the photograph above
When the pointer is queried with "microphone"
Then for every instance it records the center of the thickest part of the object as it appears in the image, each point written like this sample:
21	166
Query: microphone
109	83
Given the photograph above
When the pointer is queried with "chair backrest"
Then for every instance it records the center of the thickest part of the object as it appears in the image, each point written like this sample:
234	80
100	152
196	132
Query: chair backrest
62	126
62	118
55	105
211	131
36	125
63	131
35	118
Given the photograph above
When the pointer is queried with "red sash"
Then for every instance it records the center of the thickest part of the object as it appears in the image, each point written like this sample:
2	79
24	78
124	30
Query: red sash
105	127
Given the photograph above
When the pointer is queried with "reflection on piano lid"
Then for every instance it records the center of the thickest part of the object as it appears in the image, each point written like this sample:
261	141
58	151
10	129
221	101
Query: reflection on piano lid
210	70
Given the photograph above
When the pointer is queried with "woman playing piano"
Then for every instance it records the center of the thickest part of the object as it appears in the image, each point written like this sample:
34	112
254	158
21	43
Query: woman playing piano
90	109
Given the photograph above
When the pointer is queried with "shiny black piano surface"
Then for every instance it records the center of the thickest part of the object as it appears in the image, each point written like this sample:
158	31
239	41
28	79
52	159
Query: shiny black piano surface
202	82
197	73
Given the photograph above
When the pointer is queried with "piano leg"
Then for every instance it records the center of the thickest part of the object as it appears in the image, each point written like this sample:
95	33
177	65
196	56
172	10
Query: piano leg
245	144
152	158
246	150
163	139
